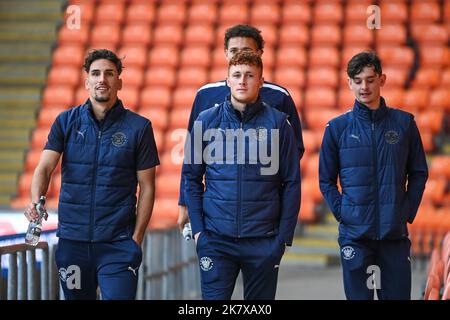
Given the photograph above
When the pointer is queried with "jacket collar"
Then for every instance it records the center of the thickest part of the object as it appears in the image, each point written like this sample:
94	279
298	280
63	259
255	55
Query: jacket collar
250	110
364	113
111	115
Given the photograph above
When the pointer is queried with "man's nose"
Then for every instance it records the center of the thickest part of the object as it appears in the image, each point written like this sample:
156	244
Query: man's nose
364	84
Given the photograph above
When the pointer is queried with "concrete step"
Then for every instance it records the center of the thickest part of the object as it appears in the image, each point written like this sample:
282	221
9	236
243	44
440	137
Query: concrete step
15	74
19	96
8	188
329	231
14	144
28	31
25	52
309	260
315	246
31	10
5	200
17	123
11	166
17	114
20	133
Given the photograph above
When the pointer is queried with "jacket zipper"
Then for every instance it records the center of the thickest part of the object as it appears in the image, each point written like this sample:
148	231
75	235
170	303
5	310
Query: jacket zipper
239	191
377	209
94	184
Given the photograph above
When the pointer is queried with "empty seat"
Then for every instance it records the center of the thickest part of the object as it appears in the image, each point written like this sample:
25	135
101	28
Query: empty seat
64	75
86	10
430	33
141	12
172	12
164	56
81	95
196	56
160	76
416	98
265	12
358	34
346	99
183	97
105	33
192	76
132	76
396	56
233	13
137	34
155	97
69	55
294	34
440	99
356	12
203	12
320	98
349	51
391	34
47	116
133	55
32	159
394	11
199	34
393	96
434	56
328	12
430	120
179	118
73	36
158	116
427	77
327	34
318	118
322	56
296	12
269	33
58	96
168	34
323	77
440	166
110	13
396	76
425	11
291	56
130	97
219	73
171	164
290	76
39	138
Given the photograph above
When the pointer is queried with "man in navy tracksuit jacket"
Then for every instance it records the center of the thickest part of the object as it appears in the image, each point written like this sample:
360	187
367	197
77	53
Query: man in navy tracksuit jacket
246	38
246	214
106	150
377	153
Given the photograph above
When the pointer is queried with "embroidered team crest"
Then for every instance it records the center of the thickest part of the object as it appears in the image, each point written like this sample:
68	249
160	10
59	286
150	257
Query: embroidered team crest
261	134
348	253
206	263
392	137
118	139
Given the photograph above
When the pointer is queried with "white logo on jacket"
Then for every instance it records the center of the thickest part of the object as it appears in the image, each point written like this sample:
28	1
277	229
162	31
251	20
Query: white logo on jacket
118	139
348	253
206	263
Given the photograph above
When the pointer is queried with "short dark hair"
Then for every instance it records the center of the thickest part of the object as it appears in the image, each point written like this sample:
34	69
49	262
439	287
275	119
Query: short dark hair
97	54
246	58
244	31
361	60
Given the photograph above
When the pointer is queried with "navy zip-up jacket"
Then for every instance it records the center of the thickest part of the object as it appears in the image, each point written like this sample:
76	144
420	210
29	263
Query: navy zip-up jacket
240	201
97	201
379	158
213	94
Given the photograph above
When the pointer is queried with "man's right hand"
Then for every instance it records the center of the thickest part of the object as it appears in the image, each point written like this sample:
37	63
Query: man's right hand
196	236
183	217
31	213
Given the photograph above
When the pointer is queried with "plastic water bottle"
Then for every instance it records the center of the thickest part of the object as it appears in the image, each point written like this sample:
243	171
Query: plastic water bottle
187	232
35	227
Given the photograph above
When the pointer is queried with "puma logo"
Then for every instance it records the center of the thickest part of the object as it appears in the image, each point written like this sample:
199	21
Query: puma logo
354	137
81	133
133	270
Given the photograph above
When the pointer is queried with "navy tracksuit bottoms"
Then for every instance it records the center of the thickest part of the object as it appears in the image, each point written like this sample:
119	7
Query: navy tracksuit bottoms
111	266
221	259
388	260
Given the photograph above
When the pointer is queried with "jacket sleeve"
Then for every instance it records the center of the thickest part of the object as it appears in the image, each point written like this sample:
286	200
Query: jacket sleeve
291	111
417	171
328	172
195	111
193	172
290	189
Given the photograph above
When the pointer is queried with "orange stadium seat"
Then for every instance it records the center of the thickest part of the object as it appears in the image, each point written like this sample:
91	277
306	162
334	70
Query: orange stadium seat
291	56
203	12
81	95
309	140
307	212
47	116
269	32
327	12
430	120
440	167
434	190
58	96
233	13
39	138
154	97
158	116
290	76
195	56
192	76
141	12
164	56
69	55
133	55
346	99
322	77
174	137
218	57
396	76
168	34
25	183
130	97
183	97
391	34
179	118
425	11
168	185
356	12
358	34
432	34
296	12
79	37
64	75
396	55
169	166
32	159
440	99
322	56
349	51
427	141
219	73
87	9
171	12
165	212
199	34
265	12
105	33
320	98
416	98
132	76
394	12
437	56
445	81
160	76
327	34
294	34
427	78
110	13
136	34
393	96
317	119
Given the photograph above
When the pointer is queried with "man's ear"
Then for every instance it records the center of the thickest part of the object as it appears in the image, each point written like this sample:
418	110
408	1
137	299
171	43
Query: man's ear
228	81
120	84
349	82
262	82
86	84
382	80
